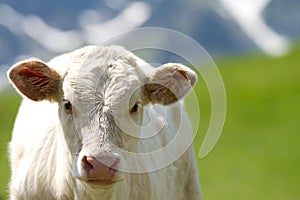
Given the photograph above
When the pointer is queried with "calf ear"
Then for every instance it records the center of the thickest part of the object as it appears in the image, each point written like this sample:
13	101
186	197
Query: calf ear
169	83
35	80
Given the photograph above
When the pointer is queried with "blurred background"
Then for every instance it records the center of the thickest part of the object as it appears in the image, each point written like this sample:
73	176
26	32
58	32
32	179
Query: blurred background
255	44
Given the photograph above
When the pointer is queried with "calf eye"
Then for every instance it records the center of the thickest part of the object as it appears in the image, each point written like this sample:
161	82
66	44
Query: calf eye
135	108
67	106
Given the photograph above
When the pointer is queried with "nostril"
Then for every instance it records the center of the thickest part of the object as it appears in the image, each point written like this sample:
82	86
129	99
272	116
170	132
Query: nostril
114	167
86	164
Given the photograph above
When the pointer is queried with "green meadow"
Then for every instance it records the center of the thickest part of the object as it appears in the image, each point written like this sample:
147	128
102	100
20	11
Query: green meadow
9	103
258	153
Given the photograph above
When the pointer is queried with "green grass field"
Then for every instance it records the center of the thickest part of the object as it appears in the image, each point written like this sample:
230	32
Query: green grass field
258	154
9	103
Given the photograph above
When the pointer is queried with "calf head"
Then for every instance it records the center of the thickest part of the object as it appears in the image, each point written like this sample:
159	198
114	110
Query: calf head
101	94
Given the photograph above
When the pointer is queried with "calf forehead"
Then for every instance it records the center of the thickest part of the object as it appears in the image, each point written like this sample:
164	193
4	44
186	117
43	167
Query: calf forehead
102	74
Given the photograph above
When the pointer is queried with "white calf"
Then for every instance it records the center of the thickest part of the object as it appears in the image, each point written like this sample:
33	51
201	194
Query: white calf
100	123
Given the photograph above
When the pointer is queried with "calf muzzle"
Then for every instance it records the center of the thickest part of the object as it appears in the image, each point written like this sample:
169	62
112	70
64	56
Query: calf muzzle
102	170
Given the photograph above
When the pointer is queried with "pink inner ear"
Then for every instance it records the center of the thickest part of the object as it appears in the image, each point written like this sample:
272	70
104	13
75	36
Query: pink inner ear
36	77
35	80
32	70
24	72
180	74
170	83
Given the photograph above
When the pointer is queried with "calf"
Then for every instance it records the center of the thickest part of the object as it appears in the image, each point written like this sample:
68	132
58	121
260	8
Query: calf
100	123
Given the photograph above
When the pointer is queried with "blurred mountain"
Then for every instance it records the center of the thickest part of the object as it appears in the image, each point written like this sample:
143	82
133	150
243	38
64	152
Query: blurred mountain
203	21
29	28
283	16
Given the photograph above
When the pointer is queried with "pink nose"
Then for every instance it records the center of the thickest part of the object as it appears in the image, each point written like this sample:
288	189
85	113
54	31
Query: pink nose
100	170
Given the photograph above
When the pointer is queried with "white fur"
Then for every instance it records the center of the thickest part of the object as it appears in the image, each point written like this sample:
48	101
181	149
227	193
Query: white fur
45	148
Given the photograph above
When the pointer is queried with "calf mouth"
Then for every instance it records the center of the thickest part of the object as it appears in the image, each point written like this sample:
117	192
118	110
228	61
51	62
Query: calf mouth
103	183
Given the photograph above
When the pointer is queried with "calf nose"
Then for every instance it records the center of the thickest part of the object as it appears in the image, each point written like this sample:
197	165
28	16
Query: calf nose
102	169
